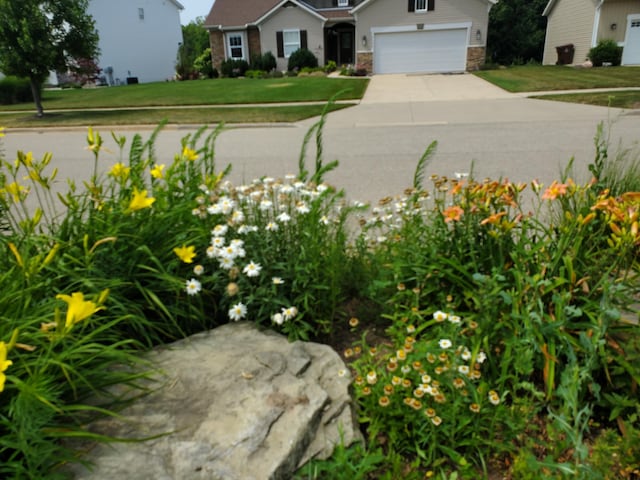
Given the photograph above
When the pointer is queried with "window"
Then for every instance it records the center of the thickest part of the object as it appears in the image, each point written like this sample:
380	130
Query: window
141	13
421	5
343	3
288	41
291	41
235	48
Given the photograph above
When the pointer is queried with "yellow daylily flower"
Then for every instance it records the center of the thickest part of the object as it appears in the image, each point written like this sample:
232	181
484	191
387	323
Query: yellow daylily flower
4	364
17	191
1	132
189	154
78	309
186	254
140	200
120	170
156	171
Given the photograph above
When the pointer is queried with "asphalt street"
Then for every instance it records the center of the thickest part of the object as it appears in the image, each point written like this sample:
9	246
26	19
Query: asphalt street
379	141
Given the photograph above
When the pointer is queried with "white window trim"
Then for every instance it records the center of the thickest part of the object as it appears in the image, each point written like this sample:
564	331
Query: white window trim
421	10
343	3
243	39
284	43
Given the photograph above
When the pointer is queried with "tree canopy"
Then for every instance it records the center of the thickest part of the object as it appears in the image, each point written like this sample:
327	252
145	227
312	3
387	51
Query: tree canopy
516	31
38	36
193	50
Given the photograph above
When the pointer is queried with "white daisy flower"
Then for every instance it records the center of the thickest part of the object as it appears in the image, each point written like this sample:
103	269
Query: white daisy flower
324	220
454	319
284	217
217	242
272	227
266	205
289	313
237	217
198	269
481	357
440	316
444	343
226	205
252	269
277	318
226	263
212	251
193	286
277	280
287	189
302	208
214	209
237	312
219	230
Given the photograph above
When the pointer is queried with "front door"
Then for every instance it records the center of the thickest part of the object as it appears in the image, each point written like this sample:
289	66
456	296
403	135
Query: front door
345	47
340	44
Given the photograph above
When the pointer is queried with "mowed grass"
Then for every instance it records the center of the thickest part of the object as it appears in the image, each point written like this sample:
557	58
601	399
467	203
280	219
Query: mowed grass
615	99
195	116
224	91
548	78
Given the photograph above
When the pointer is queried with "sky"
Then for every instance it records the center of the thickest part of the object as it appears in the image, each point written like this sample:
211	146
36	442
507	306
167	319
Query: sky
193	9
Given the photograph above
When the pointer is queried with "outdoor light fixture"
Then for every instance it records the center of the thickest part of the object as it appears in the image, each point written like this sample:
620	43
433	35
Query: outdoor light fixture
614	26
364	40
478	35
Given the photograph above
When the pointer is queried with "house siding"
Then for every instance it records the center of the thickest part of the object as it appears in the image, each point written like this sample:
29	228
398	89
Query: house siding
569	22
385	13
616	12
292	18
133	47
216	42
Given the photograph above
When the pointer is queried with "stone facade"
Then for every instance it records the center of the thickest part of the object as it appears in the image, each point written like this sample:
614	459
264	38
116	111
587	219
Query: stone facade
365	60
216	41
475	58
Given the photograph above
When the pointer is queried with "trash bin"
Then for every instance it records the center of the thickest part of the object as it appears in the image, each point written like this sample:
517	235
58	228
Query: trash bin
565	54
132	80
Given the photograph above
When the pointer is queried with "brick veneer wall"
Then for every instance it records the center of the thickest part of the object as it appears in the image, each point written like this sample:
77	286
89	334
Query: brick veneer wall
254	43
216	41
475	58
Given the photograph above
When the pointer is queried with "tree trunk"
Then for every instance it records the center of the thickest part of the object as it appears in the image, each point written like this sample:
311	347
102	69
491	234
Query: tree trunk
37	98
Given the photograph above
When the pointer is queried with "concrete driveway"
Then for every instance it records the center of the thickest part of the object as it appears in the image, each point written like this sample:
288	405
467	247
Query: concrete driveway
401	88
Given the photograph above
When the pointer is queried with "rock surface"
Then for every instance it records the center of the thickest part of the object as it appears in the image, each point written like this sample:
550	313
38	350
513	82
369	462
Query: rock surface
235	403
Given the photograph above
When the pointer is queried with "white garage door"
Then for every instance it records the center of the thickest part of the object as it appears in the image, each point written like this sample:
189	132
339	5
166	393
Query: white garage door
631	51
422	51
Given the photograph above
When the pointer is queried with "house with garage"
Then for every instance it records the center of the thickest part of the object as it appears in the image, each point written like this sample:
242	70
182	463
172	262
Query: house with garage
139	39
581	24
382	36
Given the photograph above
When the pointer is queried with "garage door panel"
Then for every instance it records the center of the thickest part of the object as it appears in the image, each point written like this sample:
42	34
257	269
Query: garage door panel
420	51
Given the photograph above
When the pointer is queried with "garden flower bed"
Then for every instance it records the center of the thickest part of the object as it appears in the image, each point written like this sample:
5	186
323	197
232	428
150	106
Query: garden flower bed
484	330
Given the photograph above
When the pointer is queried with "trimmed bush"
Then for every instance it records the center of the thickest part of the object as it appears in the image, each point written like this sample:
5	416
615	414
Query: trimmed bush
234	68
15	90
607	51
266	62
302	58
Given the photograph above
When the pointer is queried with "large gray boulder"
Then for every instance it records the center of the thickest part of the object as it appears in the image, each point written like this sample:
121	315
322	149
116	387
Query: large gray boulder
233	403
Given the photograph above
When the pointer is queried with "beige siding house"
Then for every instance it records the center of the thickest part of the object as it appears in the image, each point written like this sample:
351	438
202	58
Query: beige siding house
582	23
380	36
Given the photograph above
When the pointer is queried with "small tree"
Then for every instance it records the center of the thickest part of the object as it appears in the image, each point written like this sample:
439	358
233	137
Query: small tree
39	36
195	40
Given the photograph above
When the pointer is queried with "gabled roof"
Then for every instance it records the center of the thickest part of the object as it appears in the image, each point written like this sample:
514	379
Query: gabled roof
366	3
226	13
177	4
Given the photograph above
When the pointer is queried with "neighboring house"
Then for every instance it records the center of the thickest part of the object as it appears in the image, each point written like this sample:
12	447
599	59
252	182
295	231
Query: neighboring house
382	36
583	23
139	39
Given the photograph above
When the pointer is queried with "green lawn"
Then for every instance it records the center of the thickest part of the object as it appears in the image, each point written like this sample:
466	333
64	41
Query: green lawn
195	116
615	99
204	92
547	78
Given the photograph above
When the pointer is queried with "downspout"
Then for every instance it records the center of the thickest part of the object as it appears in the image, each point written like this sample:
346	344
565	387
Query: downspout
596	24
